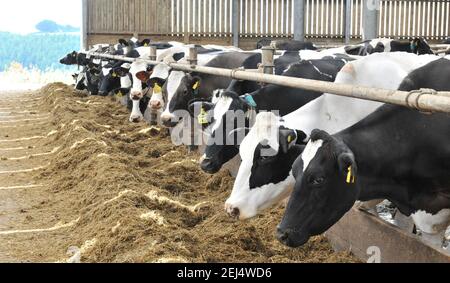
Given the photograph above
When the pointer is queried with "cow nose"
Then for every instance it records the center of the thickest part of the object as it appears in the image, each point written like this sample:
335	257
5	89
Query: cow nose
232	211
208	166
155	105
135	119
135	97
282	235
166	121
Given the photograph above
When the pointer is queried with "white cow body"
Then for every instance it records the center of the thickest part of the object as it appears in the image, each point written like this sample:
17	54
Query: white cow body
333	113
329	112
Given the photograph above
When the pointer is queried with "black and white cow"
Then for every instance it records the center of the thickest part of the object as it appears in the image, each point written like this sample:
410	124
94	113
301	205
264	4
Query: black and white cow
75	58
260	185
123	93
111	79
143	78
184	88
131	43
89	79
220	150
417	46
396	153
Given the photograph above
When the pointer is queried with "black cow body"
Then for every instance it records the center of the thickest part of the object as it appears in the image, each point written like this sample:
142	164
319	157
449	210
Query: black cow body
75	58
417	46
269	98
185	94
281	64
396	153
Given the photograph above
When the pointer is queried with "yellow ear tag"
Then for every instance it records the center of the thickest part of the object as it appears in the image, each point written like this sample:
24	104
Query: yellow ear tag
350	177
157	89
120	94
203	117
289	140
114	75
195	87
146	44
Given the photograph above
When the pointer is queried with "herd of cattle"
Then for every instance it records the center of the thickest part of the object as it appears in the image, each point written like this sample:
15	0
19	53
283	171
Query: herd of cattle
323	152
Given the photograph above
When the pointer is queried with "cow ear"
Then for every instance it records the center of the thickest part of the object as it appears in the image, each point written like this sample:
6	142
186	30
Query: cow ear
120	92
200	105
287	138
348	167
178	56
145	42
122	71
195	83
123	42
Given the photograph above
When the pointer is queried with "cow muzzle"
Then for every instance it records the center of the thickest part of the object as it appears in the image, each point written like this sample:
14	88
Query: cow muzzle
209	166
169	120
155	105
233	212
136	119
291	238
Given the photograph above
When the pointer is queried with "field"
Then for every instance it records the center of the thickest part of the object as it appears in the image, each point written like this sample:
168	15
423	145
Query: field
80	183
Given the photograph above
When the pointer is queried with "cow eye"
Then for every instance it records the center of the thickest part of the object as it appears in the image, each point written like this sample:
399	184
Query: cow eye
316	181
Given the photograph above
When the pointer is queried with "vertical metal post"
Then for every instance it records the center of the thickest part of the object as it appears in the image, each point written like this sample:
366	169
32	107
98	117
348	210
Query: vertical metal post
348	20
268	54
236	22
153	53
370	19
192	58
153	113
84	24
299	20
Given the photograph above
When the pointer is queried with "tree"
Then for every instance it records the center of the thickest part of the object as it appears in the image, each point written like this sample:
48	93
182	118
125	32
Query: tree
48	26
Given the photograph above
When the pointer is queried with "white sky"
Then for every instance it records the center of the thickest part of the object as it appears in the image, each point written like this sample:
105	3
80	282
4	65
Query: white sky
21	16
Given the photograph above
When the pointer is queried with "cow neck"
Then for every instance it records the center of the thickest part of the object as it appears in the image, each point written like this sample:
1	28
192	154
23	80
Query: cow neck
81	59
390	171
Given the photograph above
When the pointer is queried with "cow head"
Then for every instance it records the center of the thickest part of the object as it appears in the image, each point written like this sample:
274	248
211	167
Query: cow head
111	80
69	59
265	177
140	73
157	82
230	113
324	191
420	46
181	89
